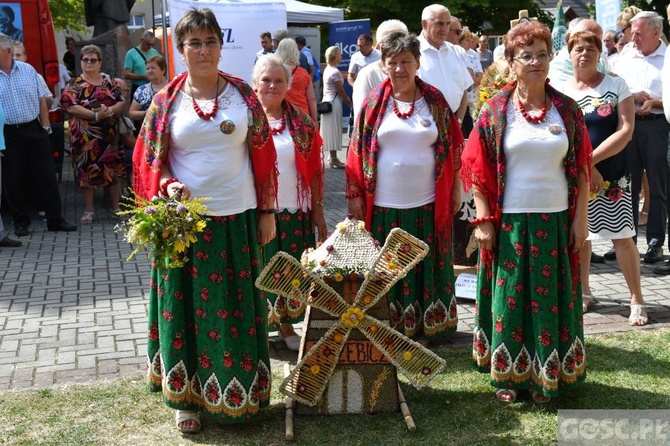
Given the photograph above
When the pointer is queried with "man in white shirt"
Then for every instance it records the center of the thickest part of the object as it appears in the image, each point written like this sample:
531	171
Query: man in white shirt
365	55
441	64
374	74
641	67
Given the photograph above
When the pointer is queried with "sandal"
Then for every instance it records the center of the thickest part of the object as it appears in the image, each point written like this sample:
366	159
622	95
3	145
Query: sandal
586	301
538	398
506	395
181	416
636	319
87	218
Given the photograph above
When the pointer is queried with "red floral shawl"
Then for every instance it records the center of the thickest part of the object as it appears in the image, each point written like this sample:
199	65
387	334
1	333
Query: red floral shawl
151	148
308	142
484	157
361	168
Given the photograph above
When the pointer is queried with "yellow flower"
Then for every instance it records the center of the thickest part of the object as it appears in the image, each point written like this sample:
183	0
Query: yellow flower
339	277
341	227
352	316
484	95
200	226
407	356
295	283
315	369
179	246
606	185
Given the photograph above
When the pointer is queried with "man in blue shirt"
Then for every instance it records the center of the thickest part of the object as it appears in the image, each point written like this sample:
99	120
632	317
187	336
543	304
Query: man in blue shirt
134	67
28	148
266	44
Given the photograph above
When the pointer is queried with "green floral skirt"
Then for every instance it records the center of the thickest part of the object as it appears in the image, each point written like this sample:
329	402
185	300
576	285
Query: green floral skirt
422	305
528	319
208	347
294	235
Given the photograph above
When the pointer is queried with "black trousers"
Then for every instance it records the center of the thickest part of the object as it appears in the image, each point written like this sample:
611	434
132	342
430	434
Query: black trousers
28	159
648	150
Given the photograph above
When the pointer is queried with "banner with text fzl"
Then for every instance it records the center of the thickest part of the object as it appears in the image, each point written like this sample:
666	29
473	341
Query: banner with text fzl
241	25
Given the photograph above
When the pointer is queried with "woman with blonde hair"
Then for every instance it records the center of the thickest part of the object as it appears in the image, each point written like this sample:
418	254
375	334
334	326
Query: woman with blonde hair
301	90
333	91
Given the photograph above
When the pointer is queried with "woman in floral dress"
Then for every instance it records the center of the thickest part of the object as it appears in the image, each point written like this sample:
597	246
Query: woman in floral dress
402	172
300	193
609	113
528	161
206	134
95	143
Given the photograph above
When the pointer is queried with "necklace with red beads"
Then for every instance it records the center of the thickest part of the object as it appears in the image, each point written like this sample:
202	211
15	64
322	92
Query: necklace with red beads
409	113
215	108
533	119
279	130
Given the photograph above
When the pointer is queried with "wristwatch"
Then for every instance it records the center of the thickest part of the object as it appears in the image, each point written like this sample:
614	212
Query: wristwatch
47	128
460	120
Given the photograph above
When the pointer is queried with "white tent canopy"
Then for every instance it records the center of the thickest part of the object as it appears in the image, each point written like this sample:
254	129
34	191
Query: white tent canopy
296	12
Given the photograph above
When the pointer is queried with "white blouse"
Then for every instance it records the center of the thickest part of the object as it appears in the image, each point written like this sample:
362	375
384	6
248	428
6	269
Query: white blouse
535	178
210	162
406	160
287	194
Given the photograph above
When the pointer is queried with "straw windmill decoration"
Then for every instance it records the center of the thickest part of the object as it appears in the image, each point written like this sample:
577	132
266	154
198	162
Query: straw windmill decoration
378	270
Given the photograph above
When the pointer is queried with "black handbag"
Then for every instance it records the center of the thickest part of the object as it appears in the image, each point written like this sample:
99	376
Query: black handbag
325	107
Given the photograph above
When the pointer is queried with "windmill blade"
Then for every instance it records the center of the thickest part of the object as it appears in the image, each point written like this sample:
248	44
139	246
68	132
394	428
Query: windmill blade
413	360
285	276
310	376
401	252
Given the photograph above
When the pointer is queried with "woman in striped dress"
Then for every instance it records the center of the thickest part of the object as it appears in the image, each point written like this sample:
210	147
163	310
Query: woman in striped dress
609	113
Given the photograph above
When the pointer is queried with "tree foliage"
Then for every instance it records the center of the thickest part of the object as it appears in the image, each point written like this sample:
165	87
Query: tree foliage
473	13
68	15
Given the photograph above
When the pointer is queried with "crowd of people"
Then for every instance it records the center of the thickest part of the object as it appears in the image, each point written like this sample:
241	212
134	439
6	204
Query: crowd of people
557	157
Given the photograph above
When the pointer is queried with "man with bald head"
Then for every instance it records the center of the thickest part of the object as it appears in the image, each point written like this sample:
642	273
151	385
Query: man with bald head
561	68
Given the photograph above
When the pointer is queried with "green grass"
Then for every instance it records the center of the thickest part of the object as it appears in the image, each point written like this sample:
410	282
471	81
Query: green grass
628	370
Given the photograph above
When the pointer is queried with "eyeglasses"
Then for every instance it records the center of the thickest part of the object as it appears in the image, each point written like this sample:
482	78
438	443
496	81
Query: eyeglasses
196	45
526	59
87	60
457	31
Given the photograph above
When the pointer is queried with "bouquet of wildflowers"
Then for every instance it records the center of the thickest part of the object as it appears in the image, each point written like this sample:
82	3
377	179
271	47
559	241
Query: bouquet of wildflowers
167	226
494	79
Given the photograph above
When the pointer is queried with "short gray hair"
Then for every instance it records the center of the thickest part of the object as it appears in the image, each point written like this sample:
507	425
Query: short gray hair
281	34
267	61
654	21
431	11
5	41
288	52
389	26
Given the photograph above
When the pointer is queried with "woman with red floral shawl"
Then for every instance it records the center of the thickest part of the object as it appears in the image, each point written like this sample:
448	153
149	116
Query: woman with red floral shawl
300	190
528	162
401	172
206	134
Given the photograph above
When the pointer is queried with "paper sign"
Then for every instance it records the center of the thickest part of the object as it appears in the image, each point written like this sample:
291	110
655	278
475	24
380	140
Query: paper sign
466	286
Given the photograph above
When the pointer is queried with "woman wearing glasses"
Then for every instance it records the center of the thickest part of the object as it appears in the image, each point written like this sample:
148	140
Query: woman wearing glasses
528	161
205	134
94	102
